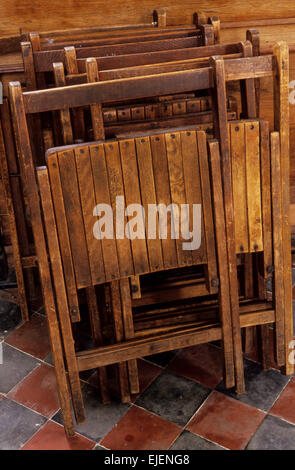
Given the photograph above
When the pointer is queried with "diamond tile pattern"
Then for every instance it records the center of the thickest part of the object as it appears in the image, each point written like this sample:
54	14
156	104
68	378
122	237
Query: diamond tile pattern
173	398
182	404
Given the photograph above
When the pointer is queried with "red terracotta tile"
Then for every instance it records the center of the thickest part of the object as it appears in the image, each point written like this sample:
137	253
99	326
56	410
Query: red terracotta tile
226	421
147	372
202	363
32	337
38	391
141	430
52	437
284	406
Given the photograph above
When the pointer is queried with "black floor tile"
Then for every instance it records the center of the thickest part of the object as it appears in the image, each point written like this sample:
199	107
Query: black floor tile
16	365
49	359
99	418
262	386
17	424
173	397
162	359
10	317
189	441
273	434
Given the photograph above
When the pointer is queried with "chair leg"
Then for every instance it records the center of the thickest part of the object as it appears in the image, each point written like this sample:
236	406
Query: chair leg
119	336
98	341
224	286
129	332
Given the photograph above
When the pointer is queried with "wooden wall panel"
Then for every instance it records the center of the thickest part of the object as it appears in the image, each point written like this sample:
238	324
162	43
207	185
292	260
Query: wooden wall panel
29	15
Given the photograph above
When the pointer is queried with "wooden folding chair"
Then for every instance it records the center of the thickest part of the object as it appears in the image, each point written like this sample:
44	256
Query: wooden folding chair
87	174
37	63
92	172
125	34
98	131
280	81
96	93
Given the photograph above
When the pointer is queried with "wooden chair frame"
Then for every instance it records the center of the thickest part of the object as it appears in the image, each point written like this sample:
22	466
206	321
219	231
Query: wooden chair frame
124	89
135	348
123	287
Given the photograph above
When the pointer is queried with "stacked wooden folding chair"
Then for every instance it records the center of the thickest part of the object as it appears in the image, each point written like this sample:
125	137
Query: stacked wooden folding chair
80	176
143	36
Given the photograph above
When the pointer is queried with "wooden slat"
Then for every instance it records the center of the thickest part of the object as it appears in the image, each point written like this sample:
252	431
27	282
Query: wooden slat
64	114
208	216
129	332
148	196
28	59
88	203
107	61
253	186
177	190
214	20
22	297
132	196
238	163
282	124
207	33
219	103
116	188
249	85
101	186
63	235
146	346
266	201
193	189
36	46
70	189
61	297
162	186
96	109
95	323
174	82
135	287
224	285
78	114
119	336
18	113
277	218
253	36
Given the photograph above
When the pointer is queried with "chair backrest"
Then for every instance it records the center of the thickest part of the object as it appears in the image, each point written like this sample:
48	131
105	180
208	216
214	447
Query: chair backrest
165	171
32	103
115	34
41	61
250	167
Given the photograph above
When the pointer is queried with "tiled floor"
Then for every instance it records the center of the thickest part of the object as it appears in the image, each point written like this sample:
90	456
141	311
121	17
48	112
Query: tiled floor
183	404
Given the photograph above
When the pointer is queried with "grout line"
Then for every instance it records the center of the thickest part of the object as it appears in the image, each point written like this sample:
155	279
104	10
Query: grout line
27	408
42	426
208	440
282	419
287	383
76	432
258	427
28	354
201	406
